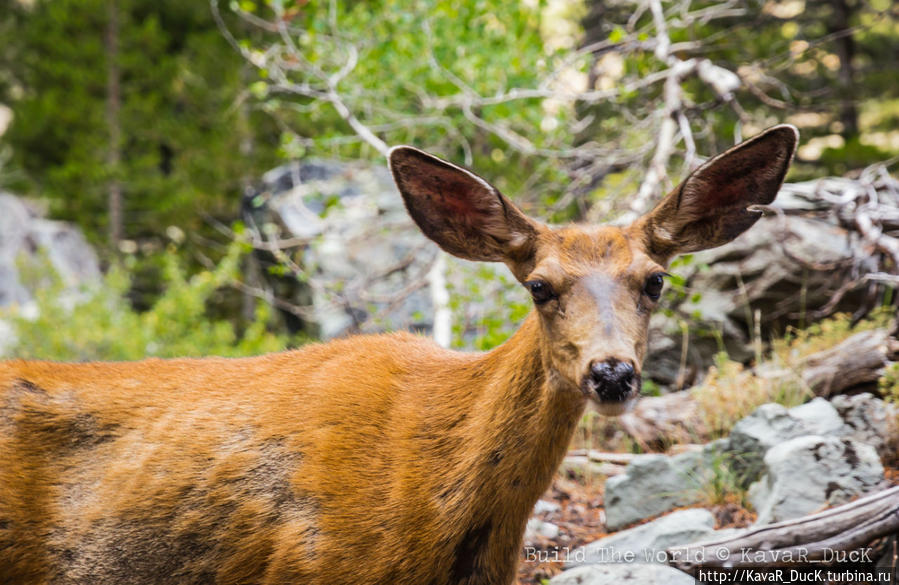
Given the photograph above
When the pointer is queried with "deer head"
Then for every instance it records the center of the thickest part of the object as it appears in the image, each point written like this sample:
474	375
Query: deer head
594	287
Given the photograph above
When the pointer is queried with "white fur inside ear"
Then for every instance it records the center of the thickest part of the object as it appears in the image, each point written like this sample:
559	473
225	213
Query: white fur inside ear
518	241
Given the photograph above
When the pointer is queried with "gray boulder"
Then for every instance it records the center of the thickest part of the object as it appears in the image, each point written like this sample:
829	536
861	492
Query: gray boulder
639	574
818	417
358	249
805	474
652	485
28	240
870	420
647	543
772	424
40	246
365	266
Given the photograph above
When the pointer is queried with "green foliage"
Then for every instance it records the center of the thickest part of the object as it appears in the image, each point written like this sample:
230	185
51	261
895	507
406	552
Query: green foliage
852	155
650	388
487	303
720	482
417	61
188	136
98	323
825	66
889	383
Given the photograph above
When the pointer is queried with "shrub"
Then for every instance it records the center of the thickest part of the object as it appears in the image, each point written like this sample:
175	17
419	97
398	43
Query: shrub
98	322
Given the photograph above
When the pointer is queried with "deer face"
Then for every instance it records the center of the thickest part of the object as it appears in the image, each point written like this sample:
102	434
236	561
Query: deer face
594	287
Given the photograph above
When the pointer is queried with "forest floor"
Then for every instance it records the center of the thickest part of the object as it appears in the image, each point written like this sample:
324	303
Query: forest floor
581	520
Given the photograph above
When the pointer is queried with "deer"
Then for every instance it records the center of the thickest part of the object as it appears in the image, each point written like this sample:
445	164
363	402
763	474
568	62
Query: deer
379	459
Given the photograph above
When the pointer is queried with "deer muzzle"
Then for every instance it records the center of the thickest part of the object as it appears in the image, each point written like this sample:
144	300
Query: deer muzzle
613	384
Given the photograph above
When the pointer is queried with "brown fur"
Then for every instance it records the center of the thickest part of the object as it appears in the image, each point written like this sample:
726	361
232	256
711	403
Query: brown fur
370	460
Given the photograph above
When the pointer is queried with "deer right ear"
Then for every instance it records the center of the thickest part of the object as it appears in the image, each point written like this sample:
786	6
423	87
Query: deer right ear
461	212
714	204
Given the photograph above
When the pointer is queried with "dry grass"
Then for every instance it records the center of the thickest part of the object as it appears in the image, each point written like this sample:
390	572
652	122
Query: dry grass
731	392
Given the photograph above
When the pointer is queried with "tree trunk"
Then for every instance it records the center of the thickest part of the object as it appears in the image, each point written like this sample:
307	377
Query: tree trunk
845	47
113	122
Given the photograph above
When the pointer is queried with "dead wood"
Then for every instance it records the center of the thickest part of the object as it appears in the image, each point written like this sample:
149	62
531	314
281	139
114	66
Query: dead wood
808	539
859	359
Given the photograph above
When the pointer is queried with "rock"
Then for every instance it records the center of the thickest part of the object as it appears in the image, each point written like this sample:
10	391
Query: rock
647	543
772	424
818	417
805	474
639	574
361	249
537	528
652	485
870	420
365	265
546	507
29	241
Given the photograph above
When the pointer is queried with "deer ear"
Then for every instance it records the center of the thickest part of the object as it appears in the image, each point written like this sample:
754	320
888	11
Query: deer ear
460	211
712	206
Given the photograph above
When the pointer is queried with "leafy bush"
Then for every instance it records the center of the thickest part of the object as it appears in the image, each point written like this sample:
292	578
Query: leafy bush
488	304
98	323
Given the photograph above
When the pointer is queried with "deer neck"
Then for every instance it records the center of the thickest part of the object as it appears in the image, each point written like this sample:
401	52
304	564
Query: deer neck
533	411
517	431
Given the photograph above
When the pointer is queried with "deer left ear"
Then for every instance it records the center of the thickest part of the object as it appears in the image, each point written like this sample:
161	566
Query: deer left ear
461	212
712	206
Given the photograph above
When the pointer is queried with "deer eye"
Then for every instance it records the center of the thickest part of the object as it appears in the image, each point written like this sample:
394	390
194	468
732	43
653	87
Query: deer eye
653	286
541	290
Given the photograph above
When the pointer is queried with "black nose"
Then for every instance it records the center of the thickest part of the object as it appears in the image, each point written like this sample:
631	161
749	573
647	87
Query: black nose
613	380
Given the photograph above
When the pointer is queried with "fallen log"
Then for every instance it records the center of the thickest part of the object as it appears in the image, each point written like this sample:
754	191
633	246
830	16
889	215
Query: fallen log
596	462
582	465
811	539
860	359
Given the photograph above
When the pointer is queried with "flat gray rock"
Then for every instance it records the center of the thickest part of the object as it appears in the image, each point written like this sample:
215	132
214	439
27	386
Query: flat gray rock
870	420
651	485
772	424
640	574
805	474
647	543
